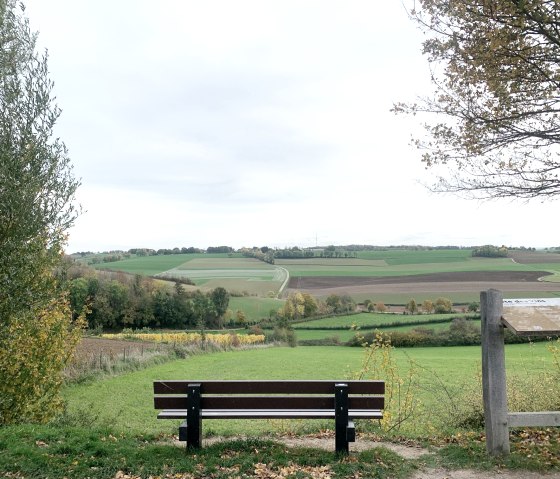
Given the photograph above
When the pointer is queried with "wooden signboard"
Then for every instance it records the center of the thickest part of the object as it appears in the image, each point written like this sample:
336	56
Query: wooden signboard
532	316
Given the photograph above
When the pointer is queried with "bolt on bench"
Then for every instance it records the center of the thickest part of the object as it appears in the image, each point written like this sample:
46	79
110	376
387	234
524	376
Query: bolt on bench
342	401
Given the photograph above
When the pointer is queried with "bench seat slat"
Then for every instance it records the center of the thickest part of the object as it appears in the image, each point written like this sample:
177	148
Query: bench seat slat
271	414
269	387
268	402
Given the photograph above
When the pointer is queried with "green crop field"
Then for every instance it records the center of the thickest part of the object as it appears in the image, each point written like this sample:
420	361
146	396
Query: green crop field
346	335
396	256
372	320
235	274
126	403
255	308
152	265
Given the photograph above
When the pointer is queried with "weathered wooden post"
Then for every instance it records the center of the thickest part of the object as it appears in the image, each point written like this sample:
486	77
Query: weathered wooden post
494	373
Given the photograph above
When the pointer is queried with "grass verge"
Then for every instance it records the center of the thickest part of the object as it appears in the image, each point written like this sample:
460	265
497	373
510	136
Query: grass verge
70	452
56	451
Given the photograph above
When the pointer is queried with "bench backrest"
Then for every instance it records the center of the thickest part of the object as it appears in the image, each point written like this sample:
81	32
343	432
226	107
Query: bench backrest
269	394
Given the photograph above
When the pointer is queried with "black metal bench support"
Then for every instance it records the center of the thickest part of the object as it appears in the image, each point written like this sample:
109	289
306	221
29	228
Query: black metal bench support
193	424
344	429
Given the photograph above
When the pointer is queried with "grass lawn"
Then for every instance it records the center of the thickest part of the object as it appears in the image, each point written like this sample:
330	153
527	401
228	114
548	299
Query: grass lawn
125	402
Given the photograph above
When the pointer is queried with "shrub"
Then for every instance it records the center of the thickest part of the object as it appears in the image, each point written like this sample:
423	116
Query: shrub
443	305
31	363
400	389
283	335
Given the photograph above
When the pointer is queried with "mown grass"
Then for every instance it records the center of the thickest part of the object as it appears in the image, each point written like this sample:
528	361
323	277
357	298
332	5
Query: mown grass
126	401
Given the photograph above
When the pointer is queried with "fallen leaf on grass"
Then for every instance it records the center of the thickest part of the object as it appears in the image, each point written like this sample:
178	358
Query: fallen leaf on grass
263	471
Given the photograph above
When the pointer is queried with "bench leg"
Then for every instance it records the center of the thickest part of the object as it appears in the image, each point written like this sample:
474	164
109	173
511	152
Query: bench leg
341	418
351	431
183	431
194	420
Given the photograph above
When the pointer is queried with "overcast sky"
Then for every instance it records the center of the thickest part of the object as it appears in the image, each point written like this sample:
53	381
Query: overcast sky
252	123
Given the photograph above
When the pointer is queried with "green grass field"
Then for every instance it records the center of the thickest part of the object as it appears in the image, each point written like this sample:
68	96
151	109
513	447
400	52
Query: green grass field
396	256
126	403
255	308
152	265
346	335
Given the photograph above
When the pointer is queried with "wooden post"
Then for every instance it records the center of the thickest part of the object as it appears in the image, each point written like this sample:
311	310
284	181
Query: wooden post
494	373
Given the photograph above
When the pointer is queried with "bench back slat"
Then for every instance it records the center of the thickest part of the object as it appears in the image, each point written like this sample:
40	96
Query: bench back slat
269	387
267	402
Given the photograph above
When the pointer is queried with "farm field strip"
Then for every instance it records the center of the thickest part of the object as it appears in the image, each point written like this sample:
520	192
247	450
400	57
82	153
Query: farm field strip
224	263
373	319
396	256
152	265
435	289
346	335
338	262
255	274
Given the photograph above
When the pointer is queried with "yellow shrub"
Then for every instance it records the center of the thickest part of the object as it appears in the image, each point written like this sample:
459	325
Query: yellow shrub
35	347
230	340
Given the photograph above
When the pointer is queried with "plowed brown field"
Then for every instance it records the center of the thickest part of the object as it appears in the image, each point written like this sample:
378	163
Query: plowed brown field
507	281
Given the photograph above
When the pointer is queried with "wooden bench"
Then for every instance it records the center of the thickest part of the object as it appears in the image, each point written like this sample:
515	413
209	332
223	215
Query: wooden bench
342	401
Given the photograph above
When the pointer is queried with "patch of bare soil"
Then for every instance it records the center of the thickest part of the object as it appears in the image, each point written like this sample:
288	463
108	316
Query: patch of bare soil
529	257
327	442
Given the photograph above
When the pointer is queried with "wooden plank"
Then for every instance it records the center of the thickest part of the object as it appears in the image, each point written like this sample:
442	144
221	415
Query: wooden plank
271	414
267	402
269	387
494	373
534	419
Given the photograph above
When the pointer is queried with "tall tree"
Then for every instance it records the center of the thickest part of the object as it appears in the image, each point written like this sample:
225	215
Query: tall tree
37	190
496	73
